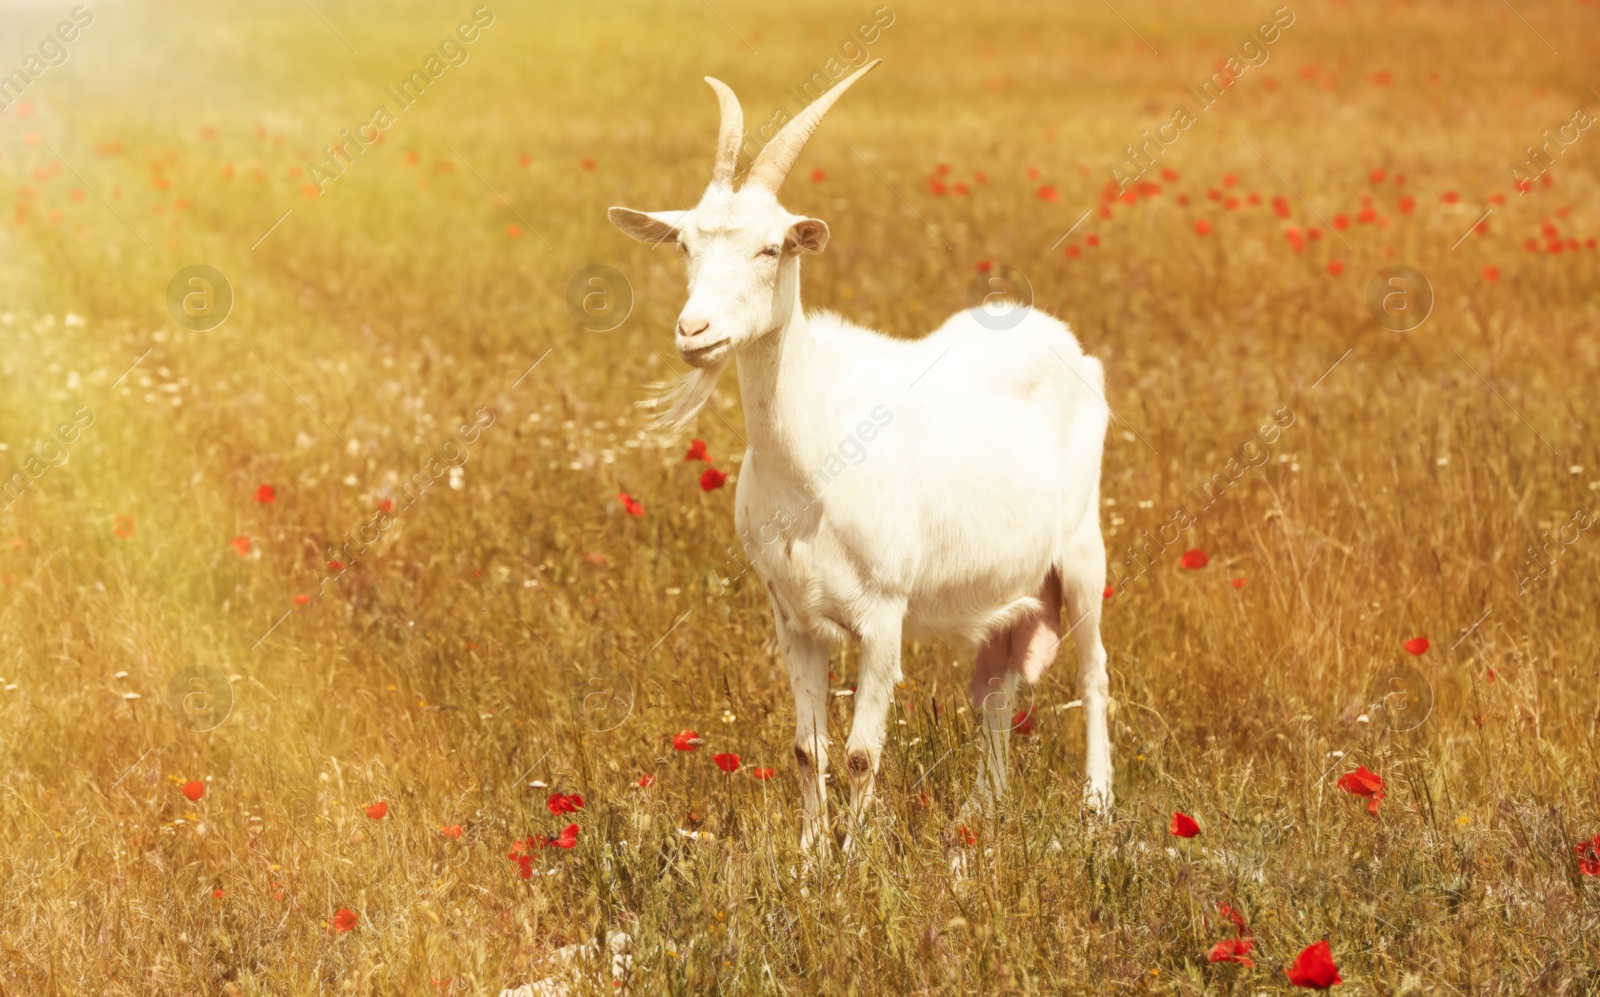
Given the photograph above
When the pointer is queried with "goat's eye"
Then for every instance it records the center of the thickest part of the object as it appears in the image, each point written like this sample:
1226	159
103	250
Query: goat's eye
769	251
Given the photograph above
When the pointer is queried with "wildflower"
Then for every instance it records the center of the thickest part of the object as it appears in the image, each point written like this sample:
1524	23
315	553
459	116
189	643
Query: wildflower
266	494
568	838
634	507
1314	968
1202	227
1232	950
1588	856
761	773
378	810
345	919
558	804
1417	645
727	762
645	781
1194	559
1364	783
451	831
194	789
1108	592
1335	268
241	544
1022	722
817	175
1184	826
123	527
969	837
1237	583
1491	275
686	740
712	479
697	451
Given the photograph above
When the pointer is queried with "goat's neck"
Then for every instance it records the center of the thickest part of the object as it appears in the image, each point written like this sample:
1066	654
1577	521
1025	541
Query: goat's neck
784	384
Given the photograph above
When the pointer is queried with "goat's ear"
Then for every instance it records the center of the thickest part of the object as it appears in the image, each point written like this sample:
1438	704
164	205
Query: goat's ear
647	226
808	235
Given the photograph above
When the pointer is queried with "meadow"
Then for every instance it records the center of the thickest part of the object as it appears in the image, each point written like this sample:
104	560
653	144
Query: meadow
316	615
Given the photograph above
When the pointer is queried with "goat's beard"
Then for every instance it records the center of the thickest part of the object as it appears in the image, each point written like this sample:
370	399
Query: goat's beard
676	405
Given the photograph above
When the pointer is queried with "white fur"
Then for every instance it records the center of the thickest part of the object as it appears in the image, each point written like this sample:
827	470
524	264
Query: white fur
944	520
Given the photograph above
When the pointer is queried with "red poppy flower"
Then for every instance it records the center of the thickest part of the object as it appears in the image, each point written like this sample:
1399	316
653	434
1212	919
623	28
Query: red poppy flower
587	164
568	838
1314	968
345	919
451	831
1237	583
1364	783
1108	592
1169	174
1491	274
386	505
1450	197
634	507
984	266
817	176
645	781
302	599
241	544
1202	227
377	810
1232	950
266	494
524	159
1335	268
712	479
1417	645
686	740
1092	241
194	789
522	854
336	565
1033	173
936	187
979	176
970	837
1280	206
514	231
697	451
1023	722
959	189
761	773
727	762
1588	856
559	804
1381	78
1047	194
122	527
1341	222
1234	918
216	894
1184	826
1194	559
1229	180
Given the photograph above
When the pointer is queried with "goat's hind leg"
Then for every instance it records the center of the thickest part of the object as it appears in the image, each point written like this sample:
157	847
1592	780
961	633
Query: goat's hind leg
1084	592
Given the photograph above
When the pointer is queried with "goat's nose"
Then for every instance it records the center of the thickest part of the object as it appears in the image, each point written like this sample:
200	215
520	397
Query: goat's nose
688	328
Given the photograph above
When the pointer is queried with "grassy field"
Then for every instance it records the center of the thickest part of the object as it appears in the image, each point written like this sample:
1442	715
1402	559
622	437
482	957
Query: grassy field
515	632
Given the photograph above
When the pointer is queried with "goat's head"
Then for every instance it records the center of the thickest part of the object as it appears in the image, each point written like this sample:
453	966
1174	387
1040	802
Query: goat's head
738	243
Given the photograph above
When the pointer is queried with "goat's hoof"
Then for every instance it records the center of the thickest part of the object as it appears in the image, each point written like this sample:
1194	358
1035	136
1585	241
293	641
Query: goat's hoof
1098	799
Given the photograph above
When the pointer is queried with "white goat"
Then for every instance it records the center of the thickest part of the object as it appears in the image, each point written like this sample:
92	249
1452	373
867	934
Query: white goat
970	504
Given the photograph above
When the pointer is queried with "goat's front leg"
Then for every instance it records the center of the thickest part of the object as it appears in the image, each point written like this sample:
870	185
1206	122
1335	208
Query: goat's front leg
875	682
807	660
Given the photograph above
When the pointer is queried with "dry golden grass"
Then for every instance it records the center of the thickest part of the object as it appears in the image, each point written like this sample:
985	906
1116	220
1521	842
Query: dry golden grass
469	659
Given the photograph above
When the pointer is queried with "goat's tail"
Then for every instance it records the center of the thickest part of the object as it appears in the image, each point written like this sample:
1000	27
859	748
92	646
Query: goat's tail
676	405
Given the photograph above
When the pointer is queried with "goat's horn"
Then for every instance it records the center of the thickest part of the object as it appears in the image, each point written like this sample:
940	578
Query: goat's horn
774	162
729	136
